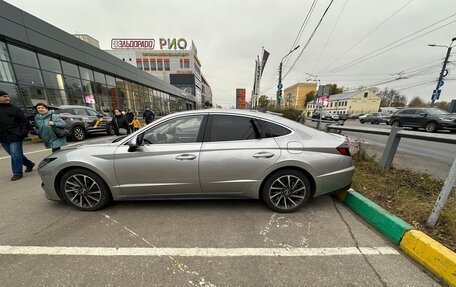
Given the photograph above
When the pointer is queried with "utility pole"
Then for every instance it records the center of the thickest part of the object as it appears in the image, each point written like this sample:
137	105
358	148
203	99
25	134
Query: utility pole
279	85
436	92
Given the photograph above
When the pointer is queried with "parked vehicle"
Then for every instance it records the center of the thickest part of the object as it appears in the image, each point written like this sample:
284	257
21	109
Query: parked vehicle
204	154
375	118
343	117
355	116
81	121
325	116
431	119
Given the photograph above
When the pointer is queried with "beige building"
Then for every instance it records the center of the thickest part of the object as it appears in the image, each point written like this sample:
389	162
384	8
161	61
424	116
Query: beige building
295	96
362	101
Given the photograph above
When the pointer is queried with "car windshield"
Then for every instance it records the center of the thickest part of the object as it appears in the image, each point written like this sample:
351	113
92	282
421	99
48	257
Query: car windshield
435	111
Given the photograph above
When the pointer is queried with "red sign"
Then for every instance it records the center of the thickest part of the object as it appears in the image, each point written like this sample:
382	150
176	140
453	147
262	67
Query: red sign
240	98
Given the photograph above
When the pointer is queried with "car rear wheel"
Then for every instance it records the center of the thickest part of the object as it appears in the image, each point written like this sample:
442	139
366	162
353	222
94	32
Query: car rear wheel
286	191
84	190
431	127
78	133
111	131
361	121
396	124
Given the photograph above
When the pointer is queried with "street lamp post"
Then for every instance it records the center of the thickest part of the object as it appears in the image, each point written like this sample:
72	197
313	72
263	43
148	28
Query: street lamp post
436	92
279	85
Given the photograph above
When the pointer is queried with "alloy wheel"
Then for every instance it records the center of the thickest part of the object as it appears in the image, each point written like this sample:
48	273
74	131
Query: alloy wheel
78	134
82	191
287	192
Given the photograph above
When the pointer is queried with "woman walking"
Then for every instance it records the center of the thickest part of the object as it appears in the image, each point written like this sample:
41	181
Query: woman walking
44	121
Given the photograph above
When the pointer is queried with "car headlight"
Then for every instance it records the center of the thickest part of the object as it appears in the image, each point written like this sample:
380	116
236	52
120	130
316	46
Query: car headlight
45	161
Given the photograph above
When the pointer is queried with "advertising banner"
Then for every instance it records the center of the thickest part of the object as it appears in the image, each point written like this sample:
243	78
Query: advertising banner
240	98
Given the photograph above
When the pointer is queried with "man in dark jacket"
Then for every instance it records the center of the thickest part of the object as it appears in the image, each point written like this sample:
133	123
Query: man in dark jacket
14	127
130	116
148	116
120	122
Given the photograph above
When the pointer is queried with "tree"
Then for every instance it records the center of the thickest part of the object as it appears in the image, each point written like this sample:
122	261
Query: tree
310	96
443	105
417	102
333	89
263	102
392	98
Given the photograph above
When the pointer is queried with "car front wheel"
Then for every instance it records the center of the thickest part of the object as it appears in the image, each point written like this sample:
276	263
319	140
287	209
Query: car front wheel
431	127
286	191
361	121
84	190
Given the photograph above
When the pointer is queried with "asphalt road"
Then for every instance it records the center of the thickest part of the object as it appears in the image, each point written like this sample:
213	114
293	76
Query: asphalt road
426	156
188	243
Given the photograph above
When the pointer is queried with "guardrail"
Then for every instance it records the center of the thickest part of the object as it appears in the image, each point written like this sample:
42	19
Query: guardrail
394	137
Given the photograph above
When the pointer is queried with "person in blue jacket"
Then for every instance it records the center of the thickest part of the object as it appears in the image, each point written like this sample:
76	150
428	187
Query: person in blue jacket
44	121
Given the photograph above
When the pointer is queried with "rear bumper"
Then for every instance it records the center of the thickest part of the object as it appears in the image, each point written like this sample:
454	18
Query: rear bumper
334	181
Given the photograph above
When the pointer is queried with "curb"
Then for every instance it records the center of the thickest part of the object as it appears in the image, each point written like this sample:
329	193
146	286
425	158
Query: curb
434	256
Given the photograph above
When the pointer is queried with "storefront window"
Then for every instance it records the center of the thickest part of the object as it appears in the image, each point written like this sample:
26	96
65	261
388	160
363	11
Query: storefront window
87	87
167	68
73	84
70	69
104	104
28	76
23	56
86	74
160	64
33	95
49	64
99	77
111	81
57	97
4	56
6	72
53	80
146	65
153	65
76	98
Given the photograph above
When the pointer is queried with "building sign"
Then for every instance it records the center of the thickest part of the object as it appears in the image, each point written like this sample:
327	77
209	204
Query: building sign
150	44
160	54
240	98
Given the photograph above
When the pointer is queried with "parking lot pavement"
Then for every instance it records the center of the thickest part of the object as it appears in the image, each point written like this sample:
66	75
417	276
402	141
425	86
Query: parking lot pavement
189	243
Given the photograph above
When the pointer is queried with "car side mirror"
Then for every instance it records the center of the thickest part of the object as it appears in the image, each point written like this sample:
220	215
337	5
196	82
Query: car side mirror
133	144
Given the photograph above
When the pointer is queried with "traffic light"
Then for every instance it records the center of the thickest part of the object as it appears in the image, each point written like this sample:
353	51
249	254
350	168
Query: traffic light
279	95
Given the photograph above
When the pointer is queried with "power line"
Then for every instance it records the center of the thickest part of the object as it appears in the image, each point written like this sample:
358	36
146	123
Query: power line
330	35
303	26
370	33
310	38
372	54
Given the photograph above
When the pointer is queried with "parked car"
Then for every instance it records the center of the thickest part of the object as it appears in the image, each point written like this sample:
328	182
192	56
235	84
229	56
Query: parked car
327	116
375	118
355	116
431	119
343	117
81	121
204	154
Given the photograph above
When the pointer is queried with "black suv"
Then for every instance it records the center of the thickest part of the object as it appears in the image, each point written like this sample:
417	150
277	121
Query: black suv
82	120
431	119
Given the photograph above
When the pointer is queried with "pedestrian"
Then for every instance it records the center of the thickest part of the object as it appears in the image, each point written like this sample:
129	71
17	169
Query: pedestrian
130	116
120	122
148	116
14	127
44	121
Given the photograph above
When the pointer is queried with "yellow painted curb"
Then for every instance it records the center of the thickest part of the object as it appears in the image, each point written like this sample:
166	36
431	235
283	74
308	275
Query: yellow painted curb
434	256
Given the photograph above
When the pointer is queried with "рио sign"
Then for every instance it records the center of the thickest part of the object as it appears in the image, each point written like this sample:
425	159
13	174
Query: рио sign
149	44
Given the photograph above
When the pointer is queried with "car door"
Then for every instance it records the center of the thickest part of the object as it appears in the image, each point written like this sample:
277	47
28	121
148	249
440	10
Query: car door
420	118
235	154
408	117
167	161
96	121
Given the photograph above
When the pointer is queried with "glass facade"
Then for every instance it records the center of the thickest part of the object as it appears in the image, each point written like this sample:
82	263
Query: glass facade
30	77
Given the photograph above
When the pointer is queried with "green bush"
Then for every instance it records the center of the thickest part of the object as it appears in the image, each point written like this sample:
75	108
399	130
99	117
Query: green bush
289	113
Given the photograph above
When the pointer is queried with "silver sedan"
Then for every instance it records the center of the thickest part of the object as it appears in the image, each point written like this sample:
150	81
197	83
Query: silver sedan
204	154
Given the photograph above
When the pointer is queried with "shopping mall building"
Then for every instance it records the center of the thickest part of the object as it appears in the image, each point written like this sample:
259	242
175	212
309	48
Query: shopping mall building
173	60
41	63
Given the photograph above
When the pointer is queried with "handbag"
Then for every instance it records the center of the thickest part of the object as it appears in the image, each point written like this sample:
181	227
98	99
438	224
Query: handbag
60	132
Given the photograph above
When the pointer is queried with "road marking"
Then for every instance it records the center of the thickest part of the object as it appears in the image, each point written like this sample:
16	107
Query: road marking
37	151
196	252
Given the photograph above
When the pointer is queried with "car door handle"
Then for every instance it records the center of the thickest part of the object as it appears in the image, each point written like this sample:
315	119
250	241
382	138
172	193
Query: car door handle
186	157
263	155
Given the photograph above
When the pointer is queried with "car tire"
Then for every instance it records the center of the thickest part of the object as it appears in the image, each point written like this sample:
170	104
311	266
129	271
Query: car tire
84	190
361	121
78	133
376	122
431	127
290	185
396	124
111	131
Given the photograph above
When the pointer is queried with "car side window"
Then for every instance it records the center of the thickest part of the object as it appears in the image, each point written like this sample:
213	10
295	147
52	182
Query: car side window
92	113
273	130
80	112
234	128
180	130
420	112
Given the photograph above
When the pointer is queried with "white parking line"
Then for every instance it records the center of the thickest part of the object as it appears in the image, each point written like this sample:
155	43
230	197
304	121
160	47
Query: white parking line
196	252
37	151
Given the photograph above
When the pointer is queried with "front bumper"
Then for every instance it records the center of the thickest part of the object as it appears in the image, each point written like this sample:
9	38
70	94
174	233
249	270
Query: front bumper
47	184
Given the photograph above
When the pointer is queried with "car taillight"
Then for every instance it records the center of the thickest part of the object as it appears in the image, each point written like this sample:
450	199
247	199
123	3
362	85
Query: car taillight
344	148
